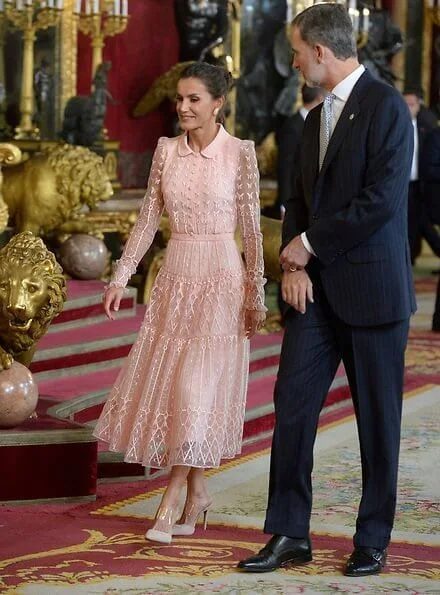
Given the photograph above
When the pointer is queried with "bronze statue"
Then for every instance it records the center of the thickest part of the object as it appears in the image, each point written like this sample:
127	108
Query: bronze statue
44	99
84	116
164	87
51	187
32	293
384	41
202	25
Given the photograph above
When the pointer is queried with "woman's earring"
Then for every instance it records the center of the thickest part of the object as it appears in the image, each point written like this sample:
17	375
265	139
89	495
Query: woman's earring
216	111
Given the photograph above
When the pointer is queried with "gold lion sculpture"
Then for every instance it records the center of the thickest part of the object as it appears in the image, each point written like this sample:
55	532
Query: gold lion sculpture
32	293
9	154
52	186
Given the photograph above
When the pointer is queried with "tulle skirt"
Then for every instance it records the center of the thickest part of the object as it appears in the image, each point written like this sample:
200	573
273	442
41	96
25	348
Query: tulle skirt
180	396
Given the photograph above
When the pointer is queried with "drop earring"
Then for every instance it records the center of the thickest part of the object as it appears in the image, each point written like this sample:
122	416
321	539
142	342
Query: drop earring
216	111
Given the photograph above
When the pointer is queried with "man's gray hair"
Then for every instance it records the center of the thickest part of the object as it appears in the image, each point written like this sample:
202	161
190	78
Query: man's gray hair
328	24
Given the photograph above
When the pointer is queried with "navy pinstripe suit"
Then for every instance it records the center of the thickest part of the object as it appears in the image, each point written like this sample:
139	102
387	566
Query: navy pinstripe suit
355	214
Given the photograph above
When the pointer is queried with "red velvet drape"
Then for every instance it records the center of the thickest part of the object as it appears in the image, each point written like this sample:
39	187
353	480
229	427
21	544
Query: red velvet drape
148	48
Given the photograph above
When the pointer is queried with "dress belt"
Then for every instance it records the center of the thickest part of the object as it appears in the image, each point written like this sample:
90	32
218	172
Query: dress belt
197	237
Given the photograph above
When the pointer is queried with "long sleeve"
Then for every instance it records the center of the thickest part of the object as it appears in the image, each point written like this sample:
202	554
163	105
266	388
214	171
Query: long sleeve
145	228
248	210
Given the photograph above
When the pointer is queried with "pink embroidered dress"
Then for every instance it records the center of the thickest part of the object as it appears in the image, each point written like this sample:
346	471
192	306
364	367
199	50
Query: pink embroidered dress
180	396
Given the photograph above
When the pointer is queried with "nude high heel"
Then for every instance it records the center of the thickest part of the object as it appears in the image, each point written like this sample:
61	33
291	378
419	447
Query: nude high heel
189	517
162	530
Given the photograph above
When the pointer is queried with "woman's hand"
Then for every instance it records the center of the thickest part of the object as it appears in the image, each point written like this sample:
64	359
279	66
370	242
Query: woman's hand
253	322
112	299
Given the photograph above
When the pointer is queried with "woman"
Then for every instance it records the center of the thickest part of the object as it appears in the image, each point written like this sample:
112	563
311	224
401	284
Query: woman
179	401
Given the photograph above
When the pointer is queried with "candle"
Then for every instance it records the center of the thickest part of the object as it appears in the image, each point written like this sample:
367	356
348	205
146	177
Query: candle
289	12
124	8
365	20
60	4
117	7
28	2
78	6
50	3
95	6
19	5
88	7
351	5
2	5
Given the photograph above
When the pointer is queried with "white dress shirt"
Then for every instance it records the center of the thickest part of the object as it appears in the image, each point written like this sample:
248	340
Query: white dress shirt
415	161
342	92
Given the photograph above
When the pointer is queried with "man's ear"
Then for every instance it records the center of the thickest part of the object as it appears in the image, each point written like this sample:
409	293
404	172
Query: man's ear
319	53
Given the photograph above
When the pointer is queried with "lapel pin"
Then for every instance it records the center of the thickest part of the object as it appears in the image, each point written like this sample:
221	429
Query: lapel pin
351	116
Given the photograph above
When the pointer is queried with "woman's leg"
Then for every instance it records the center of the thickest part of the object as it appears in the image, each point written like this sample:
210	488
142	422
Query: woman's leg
197	502
197	490
178	477
168	511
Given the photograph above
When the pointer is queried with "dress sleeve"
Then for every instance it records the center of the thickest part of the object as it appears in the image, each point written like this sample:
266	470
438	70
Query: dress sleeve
145	228
248	210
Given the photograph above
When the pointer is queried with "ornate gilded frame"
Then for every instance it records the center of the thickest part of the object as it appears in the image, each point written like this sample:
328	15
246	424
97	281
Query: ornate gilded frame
427	50
67	46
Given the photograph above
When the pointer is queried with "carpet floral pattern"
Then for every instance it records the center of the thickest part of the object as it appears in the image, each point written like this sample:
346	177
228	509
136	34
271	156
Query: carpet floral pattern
99	547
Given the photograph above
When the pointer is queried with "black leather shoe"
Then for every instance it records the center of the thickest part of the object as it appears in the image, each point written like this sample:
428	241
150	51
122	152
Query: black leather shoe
364	561
279	551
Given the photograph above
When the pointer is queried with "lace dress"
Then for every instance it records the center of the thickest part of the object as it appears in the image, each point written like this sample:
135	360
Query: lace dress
180	396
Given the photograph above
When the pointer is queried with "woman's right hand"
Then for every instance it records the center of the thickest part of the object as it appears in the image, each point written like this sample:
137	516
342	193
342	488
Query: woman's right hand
112	299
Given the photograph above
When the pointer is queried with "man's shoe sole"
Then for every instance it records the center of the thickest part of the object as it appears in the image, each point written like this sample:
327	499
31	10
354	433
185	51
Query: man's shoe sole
357	574
291	562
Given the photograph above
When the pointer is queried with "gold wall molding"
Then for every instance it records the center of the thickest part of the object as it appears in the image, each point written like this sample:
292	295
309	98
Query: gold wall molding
427	51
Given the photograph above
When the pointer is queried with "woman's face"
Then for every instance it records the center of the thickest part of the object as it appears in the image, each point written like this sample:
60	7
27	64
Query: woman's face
195	105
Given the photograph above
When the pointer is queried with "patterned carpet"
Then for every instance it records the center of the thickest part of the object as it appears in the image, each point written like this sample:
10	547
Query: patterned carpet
98	548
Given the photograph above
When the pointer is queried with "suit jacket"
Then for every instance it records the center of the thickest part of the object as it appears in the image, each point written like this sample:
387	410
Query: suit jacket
288	132
355	209
429	172
423	130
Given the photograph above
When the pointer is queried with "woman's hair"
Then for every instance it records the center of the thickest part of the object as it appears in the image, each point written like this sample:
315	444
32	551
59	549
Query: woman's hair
216	79
328	24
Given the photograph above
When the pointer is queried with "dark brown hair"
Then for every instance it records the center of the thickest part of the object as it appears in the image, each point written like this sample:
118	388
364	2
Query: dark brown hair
216	79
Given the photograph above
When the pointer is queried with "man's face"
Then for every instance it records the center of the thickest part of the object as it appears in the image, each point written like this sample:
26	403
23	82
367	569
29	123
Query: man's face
305	59
413	103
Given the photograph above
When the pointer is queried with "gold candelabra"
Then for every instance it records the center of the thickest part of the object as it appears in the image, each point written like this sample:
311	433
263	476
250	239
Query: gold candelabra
434	11
100	19
29	16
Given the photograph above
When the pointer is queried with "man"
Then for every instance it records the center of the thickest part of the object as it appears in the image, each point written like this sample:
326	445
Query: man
347	276
288	131
430	182
421	128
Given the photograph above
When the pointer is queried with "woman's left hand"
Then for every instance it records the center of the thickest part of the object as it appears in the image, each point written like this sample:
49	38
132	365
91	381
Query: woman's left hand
253	322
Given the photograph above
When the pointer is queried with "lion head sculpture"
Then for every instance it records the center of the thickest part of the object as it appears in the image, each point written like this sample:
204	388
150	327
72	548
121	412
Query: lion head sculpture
52	186
32	293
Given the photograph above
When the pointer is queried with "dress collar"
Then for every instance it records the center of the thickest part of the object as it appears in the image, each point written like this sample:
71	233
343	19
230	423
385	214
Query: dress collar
210	151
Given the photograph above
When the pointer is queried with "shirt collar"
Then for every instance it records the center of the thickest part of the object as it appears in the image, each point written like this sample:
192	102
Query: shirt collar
345	87
303	111
210	151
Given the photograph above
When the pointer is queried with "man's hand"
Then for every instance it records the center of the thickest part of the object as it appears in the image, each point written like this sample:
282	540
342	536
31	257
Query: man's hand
294	255
297	289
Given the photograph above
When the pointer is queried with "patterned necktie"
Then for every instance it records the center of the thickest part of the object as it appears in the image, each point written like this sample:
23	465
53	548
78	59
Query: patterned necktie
325	129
